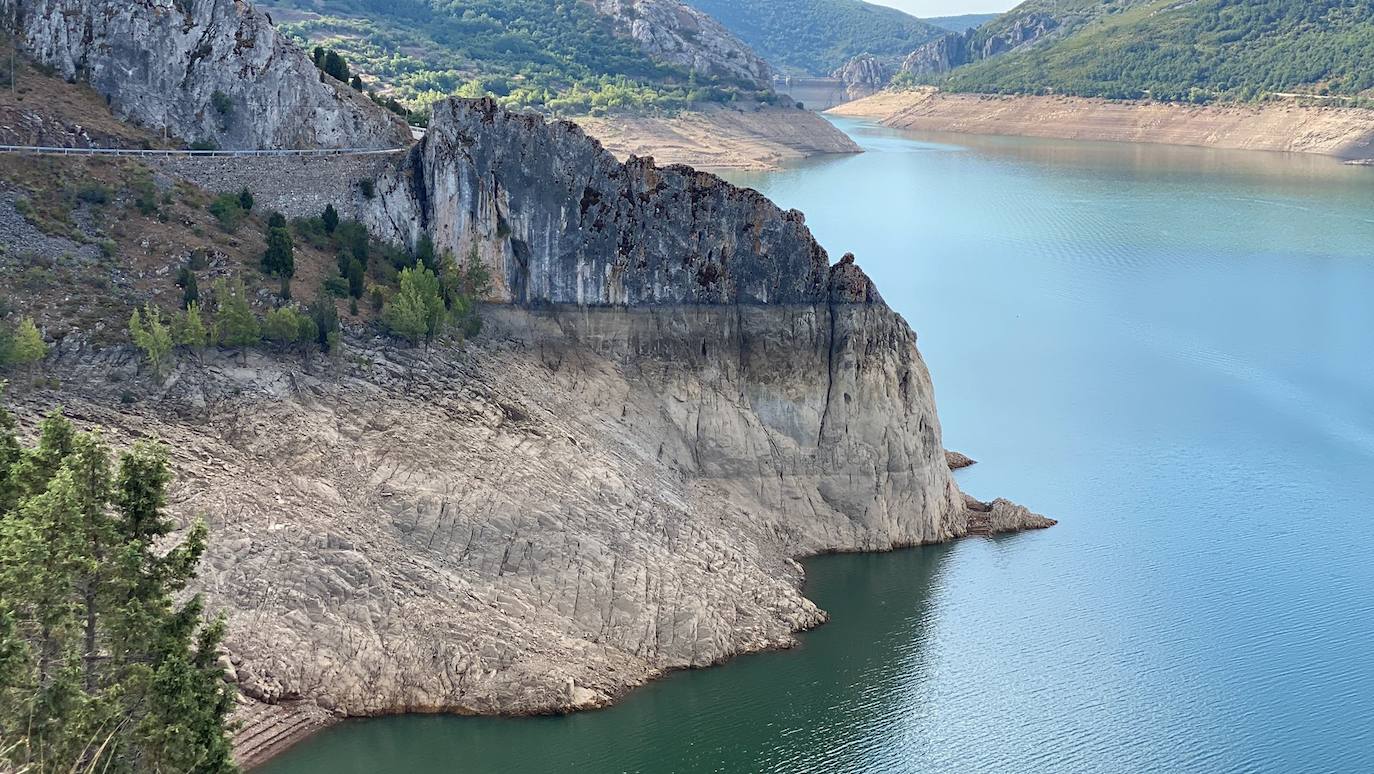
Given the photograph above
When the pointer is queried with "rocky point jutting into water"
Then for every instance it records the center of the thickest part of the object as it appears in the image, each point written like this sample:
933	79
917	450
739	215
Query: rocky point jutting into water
676	394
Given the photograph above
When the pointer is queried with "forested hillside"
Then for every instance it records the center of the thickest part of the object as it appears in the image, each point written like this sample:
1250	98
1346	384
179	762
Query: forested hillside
560	57
815	37
1196	51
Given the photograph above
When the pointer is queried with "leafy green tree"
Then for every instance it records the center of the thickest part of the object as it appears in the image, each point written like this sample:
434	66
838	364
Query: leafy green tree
246	200
190	330
27	345
101	669
283	326
234	319
276	220
280	258
416	312
330	218
152	335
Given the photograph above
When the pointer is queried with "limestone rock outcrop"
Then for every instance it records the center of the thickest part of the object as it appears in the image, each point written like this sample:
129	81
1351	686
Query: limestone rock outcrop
863	75
203	70
558	219
943	54
675	33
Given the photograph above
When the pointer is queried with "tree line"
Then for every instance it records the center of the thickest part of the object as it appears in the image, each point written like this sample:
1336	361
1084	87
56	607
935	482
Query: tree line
104	667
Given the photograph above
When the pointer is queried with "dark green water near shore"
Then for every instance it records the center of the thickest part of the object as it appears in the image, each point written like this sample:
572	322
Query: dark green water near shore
1172	351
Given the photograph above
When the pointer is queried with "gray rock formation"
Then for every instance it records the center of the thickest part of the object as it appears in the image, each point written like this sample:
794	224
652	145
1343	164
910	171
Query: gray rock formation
212	70
939	56
671	32
558	219
863	75
1007	34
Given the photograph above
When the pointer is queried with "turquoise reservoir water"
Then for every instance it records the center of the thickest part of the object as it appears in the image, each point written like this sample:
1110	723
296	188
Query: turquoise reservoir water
1171	351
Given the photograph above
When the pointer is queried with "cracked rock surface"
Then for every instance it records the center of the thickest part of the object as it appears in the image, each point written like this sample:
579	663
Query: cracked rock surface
205	70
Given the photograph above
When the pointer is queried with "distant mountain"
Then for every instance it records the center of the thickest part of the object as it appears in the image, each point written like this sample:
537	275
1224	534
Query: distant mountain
563	57
1200	50
818	37
961	23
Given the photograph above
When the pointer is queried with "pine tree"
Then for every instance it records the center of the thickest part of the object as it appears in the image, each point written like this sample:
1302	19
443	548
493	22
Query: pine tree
152	336
417	309
246	200
100	669
234	318
330	218
326	318
355	278
190	330
280	258
335	66
27	346
190	287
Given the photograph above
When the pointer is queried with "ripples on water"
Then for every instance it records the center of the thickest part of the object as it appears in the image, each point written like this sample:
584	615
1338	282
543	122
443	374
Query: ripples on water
1168	349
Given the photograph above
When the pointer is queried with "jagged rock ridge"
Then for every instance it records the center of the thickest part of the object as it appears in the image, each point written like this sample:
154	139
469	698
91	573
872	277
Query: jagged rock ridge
559	220
203	70
863	75
671	32
956	49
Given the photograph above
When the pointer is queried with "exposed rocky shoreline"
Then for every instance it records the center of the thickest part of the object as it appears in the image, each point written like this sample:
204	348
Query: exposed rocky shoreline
751	138
578	503
676	394
1346	133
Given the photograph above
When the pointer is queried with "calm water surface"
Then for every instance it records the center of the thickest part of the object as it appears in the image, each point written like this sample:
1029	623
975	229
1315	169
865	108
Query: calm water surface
1170	350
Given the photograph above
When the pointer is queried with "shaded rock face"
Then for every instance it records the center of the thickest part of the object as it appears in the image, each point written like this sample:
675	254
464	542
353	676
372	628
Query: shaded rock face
673	33
943	54
558	219
939	56
205	70
863	75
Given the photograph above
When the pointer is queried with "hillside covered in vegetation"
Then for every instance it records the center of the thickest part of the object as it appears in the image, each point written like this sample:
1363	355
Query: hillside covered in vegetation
1179	51
556	57
816	37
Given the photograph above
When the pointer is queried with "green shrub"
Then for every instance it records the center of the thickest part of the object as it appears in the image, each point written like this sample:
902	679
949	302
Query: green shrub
336	287
228	211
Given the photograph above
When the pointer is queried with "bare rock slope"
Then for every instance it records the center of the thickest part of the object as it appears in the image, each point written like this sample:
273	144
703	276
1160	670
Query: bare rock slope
203	70
1346	133
676	396
678	34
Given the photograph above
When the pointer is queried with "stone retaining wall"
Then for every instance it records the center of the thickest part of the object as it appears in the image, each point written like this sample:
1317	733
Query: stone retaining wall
296	186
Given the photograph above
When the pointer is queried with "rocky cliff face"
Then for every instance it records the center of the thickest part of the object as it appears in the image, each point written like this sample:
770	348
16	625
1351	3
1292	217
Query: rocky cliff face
863	75
941	55
671	32
212	70
558	219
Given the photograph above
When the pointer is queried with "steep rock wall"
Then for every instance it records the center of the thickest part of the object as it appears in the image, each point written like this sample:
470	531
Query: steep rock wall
677	34
212	70
558	219
863	75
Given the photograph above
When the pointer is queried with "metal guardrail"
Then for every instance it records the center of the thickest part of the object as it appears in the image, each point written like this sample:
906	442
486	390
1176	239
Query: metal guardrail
170	153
